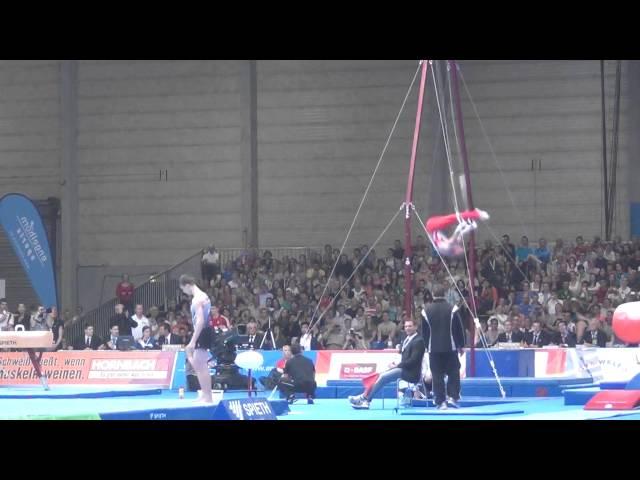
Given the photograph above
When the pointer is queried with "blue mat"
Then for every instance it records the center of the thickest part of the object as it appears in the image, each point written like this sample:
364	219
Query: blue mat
476	401
76	392
280	407
164	406
462	412
613	385
623	416
476	387
579	396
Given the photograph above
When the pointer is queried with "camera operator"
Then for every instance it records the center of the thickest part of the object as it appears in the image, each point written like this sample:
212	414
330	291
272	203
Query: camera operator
38	319
299	376
354	341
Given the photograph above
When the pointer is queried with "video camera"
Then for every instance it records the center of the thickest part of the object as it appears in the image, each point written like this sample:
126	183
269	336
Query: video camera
224	346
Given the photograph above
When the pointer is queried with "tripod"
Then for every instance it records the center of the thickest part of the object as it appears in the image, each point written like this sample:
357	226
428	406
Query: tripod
270	333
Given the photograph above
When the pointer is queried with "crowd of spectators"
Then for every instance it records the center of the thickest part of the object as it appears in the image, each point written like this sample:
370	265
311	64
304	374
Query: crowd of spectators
562	294
36	318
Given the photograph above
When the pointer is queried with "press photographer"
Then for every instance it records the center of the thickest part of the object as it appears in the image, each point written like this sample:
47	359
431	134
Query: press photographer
354	341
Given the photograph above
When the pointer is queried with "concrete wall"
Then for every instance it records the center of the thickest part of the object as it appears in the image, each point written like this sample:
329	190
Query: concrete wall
29	128
547	113
29	150
321	126
138	119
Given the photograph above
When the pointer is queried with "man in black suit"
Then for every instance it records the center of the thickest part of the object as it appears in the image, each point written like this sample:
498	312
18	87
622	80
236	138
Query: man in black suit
255	339
111	342
165	336
564	337
536	338
409	369
509	336
594	336
444	335
88	341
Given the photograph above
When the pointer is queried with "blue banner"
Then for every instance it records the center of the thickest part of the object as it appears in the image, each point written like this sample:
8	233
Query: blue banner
634	211
23	225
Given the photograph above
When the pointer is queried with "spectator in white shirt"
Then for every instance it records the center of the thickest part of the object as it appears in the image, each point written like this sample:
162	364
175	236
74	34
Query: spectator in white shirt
234	282
609	254
141	320
210	264
357	290
552	303
451	296
624	290
6	317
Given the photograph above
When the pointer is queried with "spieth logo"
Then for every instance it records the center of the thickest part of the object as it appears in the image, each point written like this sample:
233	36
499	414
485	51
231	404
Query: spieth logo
249	410
257	409
236	409
356	370
158	416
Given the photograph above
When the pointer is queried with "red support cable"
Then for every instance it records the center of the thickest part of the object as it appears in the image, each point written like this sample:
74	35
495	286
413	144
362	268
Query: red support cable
408	277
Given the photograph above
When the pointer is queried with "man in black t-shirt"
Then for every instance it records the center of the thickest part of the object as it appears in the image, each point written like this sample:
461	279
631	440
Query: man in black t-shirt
398	251
299	376
123	321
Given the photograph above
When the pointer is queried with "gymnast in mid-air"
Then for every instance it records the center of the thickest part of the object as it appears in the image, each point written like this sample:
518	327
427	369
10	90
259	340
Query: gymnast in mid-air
465	223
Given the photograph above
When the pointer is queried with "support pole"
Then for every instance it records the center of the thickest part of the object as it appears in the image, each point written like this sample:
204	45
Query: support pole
408	203
462	145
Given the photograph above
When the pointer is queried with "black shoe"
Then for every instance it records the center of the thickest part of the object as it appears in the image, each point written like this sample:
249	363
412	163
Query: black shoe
291	399
310	400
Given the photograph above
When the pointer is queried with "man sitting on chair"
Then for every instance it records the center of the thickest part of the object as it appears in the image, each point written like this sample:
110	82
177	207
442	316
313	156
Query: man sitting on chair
409	369
510	336
88	341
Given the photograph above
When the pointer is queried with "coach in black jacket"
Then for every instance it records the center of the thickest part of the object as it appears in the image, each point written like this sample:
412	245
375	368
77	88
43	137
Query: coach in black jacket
409	369
444	335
